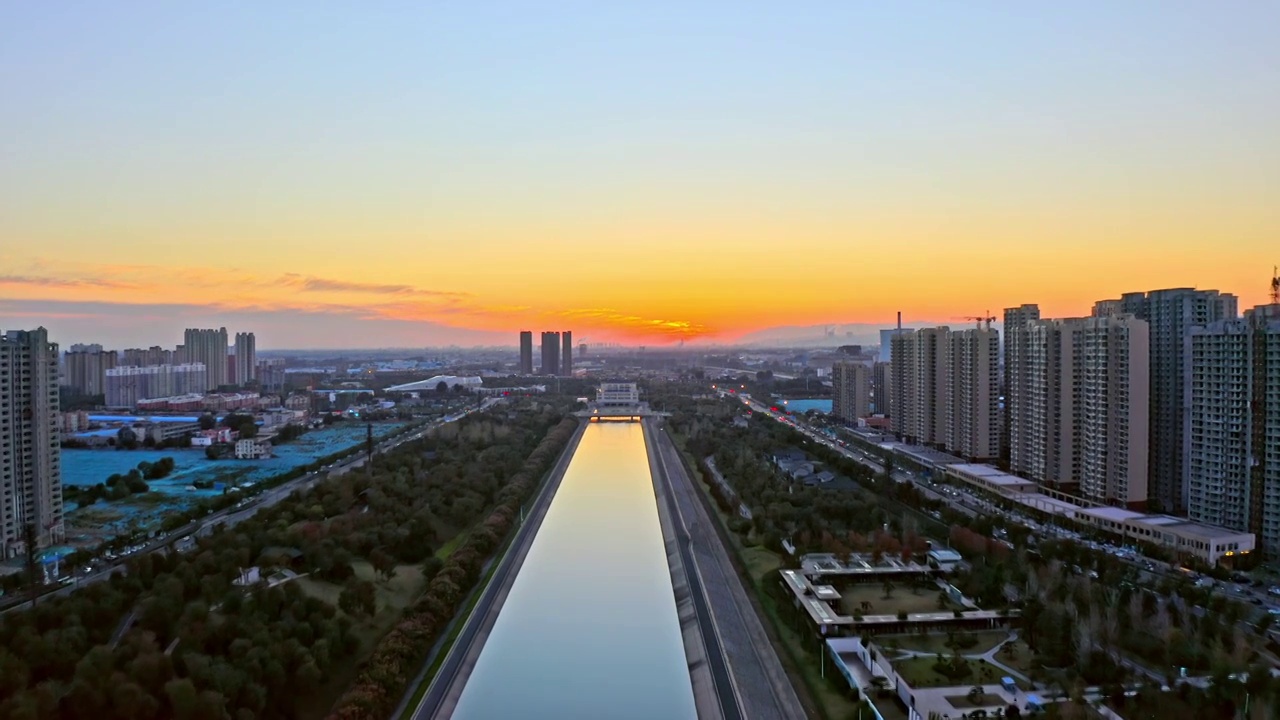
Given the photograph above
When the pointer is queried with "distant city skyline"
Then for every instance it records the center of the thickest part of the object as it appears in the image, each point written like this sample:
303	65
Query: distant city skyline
643	174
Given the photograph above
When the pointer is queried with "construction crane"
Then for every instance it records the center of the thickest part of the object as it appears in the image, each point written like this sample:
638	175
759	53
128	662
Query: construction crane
981	320
1275	285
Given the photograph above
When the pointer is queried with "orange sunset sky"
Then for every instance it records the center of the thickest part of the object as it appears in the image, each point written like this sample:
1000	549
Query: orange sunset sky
433	176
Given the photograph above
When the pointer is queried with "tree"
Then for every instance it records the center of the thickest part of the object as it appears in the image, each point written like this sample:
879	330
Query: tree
207	421
1012	713
888	589
430	567
383	563
127	438
248	429
183	698
358	598
442	388
977	694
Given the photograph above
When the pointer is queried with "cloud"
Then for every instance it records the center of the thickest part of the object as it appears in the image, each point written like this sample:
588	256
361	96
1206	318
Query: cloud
608	317
122	325
309	283
38	281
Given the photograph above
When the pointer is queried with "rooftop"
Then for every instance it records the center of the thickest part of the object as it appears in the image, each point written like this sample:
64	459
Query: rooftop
929	456
1113	514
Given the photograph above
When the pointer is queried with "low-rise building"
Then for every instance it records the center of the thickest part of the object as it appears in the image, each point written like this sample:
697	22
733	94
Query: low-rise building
162	431
617	394
73	422
250	449
1208	543
206	438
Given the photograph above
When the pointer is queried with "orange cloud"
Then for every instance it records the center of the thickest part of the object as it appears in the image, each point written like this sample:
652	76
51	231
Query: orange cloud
316	284
53	282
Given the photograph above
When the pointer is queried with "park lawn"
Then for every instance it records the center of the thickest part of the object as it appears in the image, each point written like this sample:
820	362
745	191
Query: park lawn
918	672
937	643
1018	656
393	596
454	542
760	562
900	600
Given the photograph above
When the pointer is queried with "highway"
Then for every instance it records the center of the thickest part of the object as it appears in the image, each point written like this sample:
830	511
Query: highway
236	514
446	687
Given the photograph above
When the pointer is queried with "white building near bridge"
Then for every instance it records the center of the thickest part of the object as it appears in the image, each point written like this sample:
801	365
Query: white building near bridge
617	394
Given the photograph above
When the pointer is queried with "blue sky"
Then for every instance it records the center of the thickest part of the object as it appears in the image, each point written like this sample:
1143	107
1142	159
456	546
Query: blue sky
473	148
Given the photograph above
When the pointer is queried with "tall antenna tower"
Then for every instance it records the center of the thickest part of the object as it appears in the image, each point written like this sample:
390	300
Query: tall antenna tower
1275	285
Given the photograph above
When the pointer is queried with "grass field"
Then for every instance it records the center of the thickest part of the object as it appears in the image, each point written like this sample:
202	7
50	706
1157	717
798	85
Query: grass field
937	643
901	599
918	672
1017	656
760	563
393	596
447	549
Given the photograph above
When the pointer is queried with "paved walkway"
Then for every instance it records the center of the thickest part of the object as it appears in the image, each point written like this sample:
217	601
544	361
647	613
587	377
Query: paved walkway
764	690
988	656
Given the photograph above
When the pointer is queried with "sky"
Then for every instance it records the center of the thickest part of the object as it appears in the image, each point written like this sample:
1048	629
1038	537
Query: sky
415	174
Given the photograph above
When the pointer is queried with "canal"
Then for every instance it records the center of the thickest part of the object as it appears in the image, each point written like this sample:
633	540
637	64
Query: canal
589	629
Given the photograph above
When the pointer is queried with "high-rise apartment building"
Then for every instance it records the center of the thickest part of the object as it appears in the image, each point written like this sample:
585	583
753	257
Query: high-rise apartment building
1113	399
84	371
526	352
973	400
154	355
271	374
81	347
851	382
550	353
566	353
1171	314
1014	420
208	348
125	386
246	363
30	466
1081	425
921	385
945	389
886	343
1234	457
1044	440
882	388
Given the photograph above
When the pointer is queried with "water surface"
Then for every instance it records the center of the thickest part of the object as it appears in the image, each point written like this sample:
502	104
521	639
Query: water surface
589	629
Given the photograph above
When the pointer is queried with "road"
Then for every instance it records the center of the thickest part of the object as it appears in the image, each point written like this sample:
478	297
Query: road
726	689
759	681
234	515
446	687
